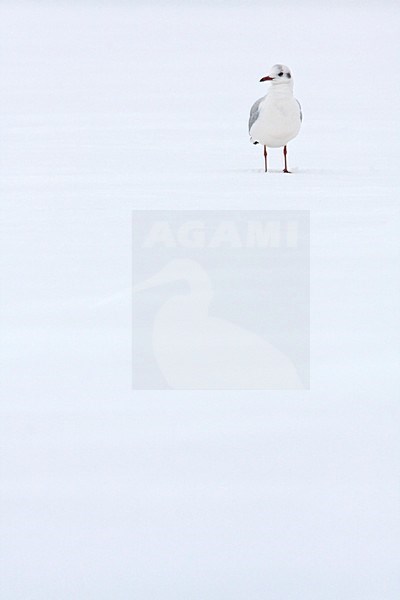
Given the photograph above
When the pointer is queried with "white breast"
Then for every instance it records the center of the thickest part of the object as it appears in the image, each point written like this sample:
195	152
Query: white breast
278	121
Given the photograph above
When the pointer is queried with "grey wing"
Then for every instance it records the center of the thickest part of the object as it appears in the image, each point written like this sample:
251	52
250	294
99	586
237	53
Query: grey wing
254	112
301	112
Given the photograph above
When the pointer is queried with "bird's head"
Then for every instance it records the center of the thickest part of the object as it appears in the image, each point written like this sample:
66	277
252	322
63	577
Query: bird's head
176	270
279	75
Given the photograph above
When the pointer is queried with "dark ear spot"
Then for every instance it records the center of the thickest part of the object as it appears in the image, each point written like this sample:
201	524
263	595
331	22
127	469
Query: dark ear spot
288	75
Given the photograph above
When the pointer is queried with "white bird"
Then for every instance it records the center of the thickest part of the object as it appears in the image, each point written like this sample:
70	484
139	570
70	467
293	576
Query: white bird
275	119
195	350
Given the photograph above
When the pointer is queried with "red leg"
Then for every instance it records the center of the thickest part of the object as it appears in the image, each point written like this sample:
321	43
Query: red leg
265	158
285	170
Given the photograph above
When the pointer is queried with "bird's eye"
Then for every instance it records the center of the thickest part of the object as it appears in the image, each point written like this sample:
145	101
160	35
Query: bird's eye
280	74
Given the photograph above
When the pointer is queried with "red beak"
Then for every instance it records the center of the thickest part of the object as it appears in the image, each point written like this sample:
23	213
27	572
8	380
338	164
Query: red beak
267	78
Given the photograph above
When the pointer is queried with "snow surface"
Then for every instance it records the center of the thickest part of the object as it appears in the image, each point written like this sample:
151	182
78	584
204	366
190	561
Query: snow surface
110	493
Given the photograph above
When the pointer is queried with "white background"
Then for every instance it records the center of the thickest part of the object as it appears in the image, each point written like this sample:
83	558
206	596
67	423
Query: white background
107	493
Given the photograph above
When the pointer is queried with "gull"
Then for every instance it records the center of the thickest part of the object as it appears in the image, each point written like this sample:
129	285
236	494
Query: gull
275	119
